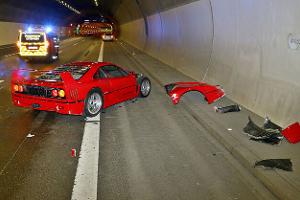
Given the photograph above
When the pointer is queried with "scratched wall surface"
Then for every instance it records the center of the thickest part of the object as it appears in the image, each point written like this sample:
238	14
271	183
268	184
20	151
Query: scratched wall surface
248	46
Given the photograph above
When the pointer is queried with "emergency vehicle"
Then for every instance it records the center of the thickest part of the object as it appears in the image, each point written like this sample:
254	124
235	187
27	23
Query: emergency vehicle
39	44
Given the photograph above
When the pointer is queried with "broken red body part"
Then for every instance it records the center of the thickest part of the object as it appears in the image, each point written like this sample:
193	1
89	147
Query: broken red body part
211	93
73	152
292	133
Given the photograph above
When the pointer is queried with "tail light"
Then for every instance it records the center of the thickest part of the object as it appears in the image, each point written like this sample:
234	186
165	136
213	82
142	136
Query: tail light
61	93
54	93
58	93
21	88
16	88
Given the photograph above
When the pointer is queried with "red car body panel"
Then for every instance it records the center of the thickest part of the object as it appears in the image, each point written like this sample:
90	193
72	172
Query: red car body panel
292	133
114	90
211	93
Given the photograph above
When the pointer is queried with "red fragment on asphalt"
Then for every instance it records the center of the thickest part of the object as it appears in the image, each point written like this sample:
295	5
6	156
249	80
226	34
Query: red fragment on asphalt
73	152
292	133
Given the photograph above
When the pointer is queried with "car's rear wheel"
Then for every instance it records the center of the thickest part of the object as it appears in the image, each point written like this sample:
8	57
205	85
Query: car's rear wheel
145	87
93	103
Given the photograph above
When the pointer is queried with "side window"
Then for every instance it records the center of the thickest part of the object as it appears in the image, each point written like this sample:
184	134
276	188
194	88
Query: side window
114	71
99	74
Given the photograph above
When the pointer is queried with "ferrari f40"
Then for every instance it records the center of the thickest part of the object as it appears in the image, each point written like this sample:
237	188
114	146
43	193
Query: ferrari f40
80	88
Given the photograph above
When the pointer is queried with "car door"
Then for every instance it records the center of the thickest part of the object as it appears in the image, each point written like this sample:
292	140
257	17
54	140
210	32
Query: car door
122	84
102	81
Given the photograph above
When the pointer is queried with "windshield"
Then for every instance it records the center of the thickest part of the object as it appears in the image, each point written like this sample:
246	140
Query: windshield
32	37
76	71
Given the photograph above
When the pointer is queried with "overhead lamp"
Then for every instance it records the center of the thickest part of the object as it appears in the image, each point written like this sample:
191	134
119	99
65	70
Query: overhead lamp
68	6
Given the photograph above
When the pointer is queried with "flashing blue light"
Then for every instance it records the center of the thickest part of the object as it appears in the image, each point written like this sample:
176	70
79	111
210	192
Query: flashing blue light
49	29
29	29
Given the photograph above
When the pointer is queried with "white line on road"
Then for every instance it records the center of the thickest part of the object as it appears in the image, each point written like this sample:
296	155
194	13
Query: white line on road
86	179
100	59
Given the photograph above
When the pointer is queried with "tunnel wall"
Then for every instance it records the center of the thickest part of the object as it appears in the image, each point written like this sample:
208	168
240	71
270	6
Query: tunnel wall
9	32
250	47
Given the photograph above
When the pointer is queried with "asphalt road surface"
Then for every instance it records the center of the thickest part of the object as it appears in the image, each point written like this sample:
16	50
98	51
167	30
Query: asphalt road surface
149	149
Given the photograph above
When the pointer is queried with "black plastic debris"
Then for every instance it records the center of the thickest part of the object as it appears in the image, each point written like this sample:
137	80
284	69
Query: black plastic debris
269	125
255	131
270	133
226	109
271	140
284	164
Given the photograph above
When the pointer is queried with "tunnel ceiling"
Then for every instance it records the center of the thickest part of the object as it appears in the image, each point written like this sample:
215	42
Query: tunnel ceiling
43	11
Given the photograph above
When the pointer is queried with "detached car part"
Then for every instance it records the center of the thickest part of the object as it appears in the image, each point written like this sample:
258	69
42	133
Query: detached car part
81	88
211	93
269	125
271	131
271	135
273	139
292	133
284	164
256	132
226	109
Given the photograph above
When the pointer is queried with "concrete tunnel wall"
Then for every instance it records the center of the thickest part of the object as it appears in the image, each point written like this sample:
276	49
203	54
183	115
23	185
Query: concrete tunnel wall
250	47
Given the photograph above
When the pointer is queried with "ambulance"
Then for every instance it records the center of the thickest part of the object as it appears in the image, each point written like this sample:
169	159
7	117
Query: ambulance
38	44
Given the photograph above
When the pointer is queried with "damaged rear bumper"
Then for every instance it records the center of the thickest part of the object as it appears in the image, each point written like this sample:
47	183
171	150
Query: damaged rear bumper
45	104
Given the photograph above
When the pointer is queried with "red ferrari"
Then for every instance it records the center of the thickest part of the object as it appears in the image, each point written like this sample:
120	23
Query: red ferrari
80	88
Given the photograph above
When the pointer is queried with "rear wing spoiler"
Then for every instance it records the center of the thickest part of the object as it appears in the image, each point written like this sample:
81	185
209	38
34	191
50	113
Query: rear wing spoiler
29	75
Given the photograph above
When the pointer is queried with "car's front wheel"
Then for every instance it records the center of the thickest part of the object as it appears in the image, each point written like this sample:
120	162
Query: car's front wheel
93	103
145	87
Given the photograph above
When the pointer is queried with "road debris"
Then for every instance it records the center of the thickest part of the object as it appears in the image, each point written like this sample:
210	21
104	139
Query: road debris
30	135
74	153
212	93
1	81
256	133
284	164
292	133
226	109
270	140
268	124
229	129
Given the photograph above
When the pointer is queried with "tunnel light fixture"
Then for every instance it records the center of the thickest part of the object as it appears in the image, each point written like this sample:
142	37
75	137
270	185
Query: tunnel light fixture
62	2
96	3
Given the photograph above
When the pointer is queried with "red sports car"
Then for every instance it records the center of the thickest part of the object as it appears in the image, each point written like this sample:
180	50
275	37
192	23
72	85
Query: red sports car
81	88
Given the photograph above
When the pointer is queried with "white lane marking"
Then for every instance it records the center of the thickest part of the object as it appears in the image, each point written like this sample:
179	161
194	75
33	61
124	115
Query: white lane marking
86	179
100	58
9	55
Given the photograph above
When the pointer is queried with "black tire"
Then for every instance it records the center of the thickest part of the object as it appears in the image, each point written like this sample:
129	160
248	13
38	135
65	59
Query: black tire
144	92
93	95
